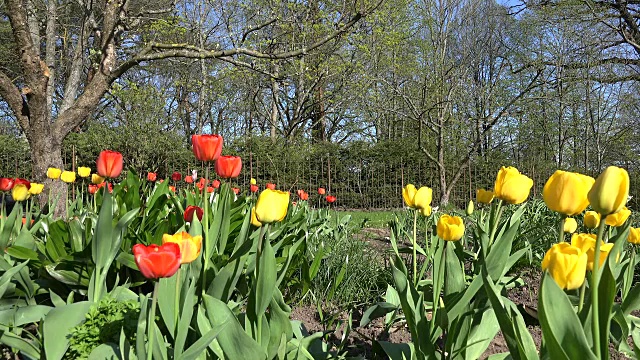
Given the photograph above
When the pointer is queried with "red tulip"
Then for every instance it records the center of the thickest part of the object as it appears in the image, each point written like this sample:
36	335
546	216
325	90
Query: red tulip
188	179
109	186
190	210
210	189
152	176
6	184
271	186
161	181
254	188
321	191
303	195
109	164
228	167
331	199
157	261
93	189
172	188
216	184
25	182
176	176
236	190
207	147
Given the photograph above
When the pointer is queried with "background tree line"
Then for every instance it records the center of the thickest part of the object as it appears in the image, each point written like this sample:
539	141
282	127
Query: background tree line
457	86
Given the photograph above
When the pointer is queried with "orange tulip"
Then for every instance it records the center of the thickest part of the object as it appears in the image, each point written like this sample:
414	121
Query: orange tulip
228	167
271	186
109	164
152	176
207	147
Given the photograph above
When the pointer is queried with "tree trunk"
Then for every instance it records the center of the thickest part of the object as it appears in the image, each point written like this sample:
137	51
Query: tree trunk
46	151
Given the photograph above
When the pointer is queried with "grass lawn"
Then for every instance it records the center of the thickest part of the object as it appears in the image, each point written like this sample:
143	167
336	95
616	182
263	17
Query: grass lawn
372	219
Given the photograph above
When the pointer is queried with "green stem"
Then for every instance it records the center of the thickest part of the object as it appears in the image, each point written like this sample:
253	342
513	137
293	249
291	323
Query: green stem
176	303
631	271
263	230
560	231
595	279
415	255
496	221
582	291
152	320
205	223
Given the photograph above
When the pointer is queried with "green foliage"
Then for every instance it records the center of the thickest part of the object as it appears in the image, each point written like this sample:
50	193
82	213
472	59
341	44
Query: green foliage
103	325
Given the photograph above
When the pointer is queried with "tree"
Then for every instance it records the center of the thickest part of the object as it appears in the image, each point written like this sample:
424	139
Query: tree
105	46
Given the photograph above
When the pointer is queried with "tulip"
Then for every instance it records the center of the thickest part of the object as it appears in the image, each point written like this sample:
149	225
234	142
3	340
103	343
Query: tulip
331	199
207	147
254	219
426	211
84	171
450	228
93	189
156	261
215	184
254	188
20	192
96	179
228	167
172	188
321	191
210	189
6	184
272	186
303	195
109	164
36	188
202	183
188	179
587	244
567	264
570	225
634	236
470	207
235	190
22	181
605	249
484	196
272	206
591	219
68	176
566	192
511	186
419	199
176	176
152	176
619	218
253	181
610	191
190	210
53	173
190	246
109	186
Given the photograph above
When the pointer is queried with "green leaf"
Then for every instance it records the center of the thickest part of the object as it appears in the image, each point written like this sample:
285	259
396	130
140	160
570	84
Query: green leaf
57	327
265	283
561	327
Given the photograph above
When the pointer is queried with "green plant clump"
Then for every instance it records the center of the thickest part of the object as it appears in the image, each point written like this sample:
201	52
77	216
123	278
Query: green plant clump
103	325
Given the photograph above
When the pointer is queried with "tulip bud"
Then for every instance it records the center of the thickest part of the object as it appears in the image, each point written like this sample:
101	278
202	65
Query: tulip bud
272	206
610	191
484	196
566	192
470	208
20	192
570	225
511	186
36	188
634	236
567	265
450	228
68	176
253	181
591	219
84	171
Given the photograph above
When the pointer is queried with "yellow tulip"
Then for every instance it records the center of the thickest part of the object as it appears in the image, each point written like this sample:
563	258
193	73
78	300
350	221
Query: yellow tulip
36	188
566	192
254	219
450	228
84	172
567	265
511	186
272	206
570	225
634	236
408	193
619	218
20	192
587	244
484	196
190	246
53	173
470	208
96	179
605	249
418	199
253	181
591	219
68	176
610	191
